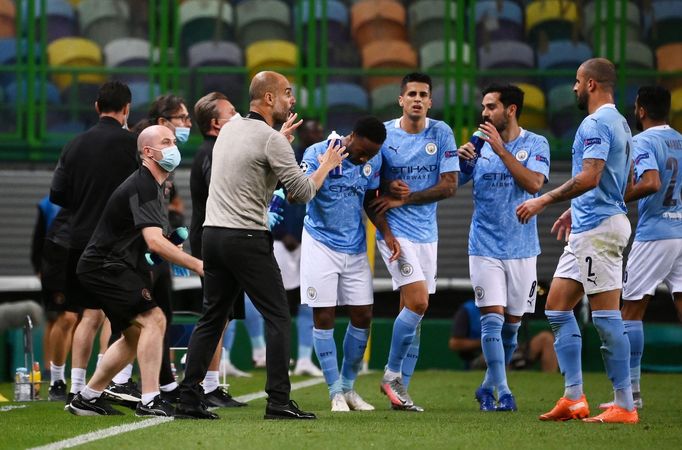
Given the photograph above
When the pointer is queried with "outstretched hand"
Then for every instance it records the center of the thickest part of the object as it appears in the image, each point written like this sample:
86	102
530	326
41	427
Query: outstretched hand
290	126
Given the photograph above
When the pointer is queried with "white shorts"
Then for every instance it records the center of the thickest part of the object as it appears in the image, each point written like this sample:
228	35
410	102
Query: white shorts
510	283
289	264
595	257
651	263
330	278
417	262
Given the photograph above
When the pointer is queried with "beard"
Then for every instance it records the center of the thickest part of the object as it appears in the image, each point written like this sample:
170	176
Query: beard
638	124
581	99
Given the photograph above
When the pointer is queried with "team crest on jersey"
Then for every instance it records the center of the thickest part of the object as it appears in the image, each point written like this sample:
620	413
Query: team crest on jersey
303	166
367	170
146	294
522	155
406	270
479	292
431	148
311	292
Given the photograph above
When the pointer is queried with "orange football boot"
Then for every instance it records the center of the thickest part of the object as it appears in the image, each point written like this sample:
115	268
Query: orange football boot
566	409
615	414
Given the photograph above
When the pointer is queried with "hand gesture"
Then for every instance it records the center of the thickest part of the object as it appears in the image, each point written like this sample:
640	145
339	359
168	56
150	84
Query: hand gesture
333	157
399	189
494	138
290	126
562	226
526	210
466	151
383	203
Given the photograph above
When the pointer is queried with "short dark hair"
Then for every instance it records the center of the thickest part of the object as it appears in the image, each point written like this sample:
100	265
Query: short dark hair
371	128
113	96
164	106
509	95
417	77
602	71
205	110
655	100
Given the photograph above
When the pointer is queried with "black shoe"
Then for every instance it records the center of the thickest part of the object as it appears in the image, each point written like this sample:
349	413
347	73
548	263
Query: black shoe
194	411
171	396
57	392
95	407
124	392
69	398
220	397
157	407
286	411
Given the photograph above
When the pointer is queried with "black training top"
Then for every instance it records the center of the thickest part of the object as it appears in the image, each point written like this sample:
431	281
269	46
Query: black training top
117	242
90	167
199	179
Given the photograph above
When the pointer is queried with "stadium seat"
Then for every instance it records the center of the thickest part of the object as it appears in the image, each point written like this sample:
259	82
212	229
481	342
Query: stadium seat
205	20
380	20
75	52
128	52
387	55
211	54
633	21
564	115
337	20
676	109
498	21
143	94
60	18
551	20
439	99
8	56
506	55
8	15
562	54
271	55
533	116
432	55
426	21
665	22
344	104
259	20
103	21
384	101
79	98
17	93
669	59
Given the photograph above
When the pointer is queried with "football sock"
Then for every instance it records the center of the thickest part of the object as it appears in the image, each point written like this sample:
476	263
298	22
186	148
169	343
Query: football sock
210	381
510	334
148	397
354	345
99	358
304	329
77	380
230	333
124	375
493	351
635	331
56	373
615	350
254	324
568	346
404	330
170	387
325	349
410	361
89	394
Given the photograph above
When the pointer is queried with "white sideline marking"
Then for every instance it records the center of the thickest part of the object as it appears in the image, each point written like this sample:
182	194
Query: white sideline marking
120	429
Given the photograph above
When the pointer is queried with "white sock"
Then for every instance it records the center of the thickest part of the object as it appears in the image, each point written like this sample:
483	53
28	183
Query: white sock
77	380
390	375
573	392
124	375
258	354
89	394
56	373
169	387
148	397
211	381
99	358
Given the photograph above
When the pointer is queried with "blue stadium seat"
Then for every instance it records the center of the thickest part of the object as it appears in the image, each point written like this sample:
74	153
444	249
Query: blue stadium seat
633	21
498	21
506	55
259	20
8	57
211	53
143	94
60	18
345	103
205	20
426	21
562	54
104	20
664	22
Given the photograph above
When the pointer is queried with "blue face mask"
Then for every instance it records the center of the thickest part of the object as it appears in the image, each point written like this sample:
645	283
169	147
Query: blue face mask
182	134
171	158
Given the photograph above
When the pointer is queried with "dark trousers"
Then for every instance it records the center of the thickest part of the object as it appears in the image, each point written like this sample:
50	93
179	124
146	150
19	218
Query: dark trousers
236	259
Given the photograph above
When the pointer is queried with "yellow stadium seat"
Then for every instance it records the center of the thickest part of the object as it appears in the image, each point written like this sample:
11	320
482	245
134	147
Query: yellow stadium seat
271	55
76	52
676	109
533	116
556	19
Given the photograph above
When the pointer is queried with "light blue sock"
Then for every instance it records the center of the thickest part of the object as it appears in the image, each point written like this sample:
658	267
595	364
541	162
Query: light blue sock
615	350
635	331
304	329
568	344
493	351
410	361
254	324
404	330
228	338
510	340
354	345
325	349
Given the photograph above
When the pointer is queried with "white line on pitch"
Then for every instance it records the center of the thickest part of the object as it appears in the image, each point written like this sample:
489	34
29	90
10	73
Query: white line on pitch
120	429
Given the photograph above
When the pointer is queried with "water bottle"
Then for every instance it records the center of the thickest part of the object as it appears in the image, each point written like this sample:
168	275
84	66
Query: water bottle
36	379
177	237
277	201
336	172
466	166
22	386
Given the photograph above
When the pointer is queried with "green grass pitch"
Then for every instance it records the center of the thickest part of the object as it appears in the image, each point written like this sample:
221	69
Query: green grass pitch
451	420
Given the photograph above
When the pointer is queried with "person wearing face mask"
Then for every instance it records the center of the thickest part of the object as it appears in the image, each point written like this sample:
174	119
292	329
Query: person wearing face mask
114	268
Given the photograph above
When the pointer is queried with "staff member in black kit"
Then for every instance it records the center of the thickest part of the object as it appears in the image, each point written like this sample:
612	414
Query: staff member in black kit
249	157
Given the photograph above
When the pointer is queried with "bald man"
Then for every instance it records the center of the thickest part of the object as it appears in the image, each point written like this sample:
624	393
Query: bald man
114	269
592	262
249	158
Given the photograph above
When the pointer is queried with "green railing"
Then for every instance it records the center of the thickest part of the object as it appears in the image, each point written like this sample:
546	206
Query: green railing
26	134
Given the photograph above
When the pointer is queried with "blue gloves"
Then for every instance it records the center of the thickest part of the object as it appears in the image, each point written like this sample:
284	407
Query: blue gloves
274	219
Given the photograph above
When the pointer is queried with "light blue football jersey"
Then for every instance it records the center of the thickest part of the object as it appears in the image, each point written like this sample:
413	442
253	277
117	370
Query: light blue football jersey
660	214
605	135
334	215
418	160
495	230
